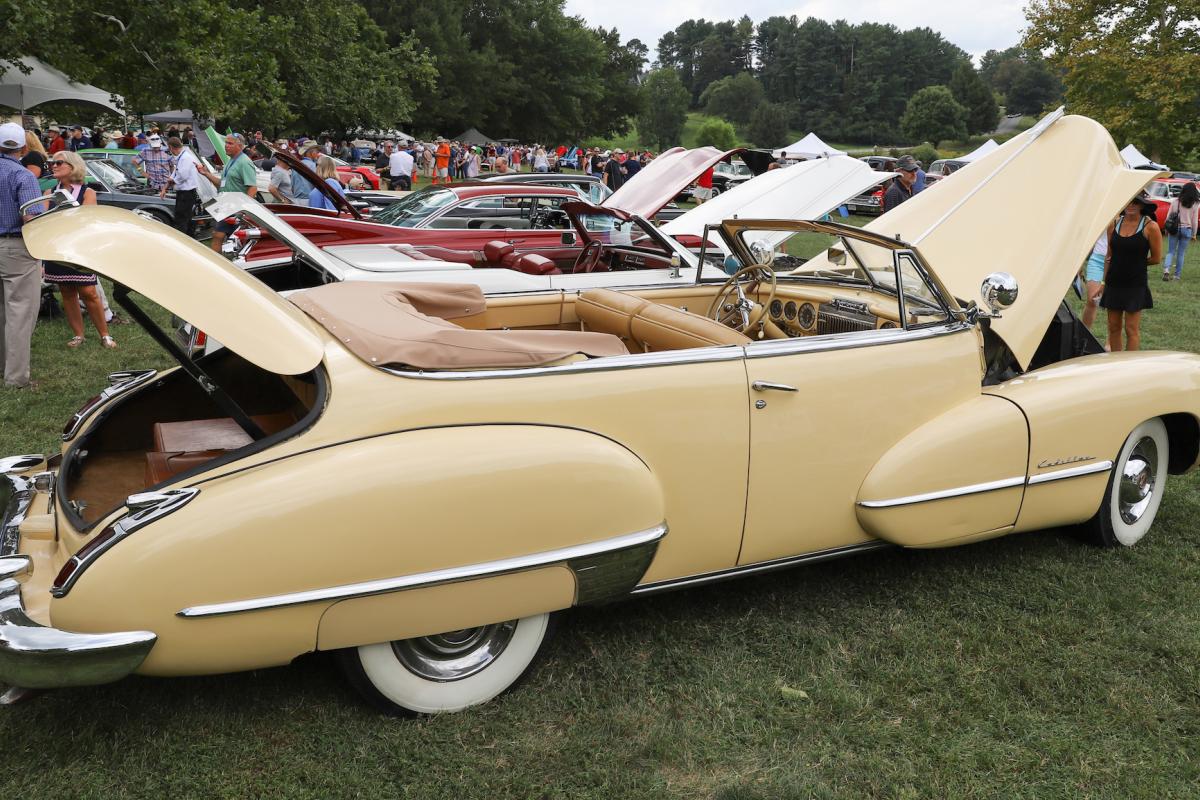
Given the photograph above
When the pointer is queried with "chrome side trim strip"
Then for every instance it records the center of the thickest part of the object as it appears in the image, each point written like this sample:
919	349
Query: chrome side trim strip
580	559
777	347
1073	472
849	341
119	383
605	364
761	567
958	491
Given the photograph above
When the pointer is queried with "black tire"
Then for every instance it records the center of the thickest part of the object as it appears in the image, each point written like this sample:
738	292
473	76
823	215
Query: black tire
1135	489
379	672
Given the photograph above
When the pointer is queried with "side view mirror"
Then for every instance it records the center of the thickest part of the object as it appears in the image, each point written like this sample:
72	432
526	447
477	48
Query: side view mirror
568	237
999	291
763	252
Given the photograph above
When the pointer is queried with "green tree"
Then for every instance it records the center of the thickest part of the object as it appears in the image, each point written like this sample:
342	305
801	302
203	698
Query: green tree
716	133
970	91
768	126
665	103
933	114
1132	66
733	98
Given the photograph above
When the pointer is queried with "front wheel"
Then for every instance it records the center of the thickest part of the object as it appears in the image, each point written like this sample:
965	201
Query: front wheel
1135	489
448	671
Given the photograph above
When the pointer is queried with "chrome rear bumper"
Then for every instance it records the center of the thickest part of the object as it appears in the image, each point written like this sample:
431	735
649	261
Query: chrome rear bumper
32	655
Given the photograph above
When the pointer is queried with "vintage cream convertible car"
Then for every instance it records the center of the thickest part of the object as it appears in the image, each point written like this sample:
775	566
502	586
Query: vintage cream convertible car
418	475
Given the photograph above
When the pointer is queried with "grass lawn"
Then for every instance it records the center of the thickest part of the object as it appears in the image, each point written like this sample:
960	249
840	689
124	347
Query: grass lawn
1025	667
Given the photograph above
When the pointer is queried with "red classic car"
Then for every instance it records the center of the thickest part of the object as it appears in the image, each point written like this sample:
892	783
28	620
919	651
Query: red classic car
347	171
1162	192
466	217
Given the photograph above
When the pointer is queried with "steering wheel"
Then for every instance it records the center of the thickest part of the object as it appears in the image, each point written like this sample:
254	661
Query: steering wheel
589	257
732	307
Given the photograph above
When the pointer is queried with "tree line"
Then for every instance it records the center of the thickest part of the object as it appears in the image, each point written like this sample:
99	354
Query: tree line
523	69
861	83
519	68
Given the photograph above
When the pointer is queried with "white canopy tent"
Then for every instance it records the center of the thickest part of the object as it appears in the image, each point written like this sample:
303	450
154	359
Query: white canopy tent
810	146
979	152
1134	158
45	84
181	116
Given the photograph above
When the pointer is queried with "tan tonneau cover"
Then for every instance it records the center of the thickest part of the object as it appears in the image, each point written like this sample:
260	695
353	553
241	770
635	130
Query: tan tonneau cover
404	324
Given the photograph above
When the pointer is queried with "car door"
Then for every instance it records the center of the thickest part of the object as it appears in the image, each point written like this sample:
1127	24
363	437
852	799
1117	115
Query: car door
861	435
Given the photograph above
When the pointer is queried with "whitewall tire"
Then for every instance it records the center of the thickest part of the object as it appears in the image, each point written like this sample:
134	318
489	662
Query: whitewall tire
449	671
1135	489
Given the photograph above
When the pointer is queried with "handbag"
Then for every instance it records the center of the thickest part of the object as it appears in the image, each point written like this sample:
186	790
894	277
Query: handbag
1171	225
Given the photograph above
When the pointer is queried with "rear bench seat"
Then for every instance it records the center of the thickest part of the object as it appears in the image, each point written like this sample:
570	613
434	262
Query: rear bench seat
180	446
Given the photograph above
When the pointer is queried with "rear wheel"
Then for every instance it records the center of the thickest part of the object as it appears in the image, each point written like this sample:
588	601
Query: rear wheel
448	671
1135	489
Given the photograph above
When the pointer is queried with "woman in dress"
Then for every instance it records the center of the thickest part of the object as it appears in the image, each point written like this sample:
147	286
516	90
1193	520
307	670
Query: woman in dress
1136	245
67	168
1186	206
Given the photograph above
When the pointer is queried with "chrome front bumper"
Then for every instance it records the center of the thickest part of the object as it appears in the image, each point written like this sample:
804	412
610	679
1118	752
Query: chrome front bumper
32	655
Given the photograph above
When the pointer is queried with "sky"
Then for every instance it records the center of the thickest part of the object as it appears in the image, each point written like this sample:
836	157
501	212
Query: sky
972	25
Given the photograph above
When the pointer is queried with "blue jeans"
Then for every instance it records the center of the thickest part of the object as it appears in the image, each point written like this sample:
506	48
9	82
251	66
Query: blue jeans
1177	246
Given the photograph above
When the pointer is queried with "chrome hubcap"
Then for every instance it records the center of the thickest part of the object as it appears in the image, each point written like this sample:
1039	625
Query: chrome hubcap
455	655
1138	479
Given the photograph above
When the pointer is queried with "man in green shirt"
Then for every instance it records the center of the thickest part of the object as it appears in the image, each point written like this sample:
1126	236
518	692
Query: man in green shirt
238	176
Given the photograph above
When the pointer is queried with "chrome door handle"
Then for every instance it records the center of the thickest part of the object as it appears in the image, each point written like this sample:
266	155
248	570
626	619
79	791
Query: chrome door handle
762	386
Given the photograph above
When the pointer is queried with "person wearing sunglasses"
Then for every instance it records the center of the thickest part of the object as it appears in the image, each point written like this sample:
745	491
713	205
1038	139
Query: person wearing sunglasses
68	169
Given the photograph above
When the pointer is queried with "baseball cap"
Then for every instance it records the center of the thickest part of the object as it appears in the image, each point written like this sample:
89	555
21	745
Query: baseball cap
907	164
155	140
12	136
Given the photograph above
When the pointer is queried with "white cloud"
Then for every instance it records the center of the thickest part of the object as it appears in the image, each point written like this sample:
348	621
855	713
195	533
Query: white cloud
975	27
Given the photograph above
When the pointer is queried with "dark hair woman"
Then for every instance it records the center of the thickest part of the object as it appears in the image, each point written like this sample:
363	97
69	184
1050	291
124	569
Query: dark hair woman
1185	207
1136	244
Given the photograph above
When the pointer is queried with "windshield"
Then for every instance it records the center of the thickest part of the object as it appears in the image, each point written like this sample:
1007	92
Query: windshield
609	230
109	172
411	211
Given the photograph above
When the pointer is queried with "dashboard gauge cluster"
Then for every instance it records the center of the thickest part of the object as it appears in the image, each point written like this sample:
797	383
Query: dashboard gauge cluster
795	316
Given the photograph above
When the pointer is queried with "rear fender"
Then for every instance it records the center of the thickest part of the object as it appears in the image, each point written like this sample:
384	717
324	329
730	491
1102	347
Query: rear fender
377	539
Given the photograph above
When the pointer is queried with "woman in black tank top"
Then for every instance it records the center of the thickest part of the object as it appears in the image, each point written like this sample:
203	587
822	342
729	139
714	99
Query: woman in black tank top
1136	244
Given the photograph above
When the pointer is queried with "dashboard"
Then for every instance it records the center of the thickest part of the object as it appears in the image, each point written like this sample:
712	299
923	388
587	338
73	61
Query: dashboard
818	317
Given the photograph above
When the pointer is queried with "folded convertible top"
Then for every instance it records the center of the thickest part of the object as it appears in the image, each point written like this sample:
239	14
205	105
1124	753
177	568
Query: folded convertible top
404	325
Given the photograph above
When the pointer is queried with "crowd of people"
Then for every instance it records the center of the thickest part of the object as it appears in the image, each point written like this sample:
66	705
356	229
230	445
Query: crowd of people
1115	274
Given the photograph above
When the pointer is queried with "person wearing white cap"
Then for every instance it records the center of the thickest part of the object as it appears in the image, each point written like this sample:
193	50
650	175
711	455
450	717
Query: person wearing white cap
156	162
20	274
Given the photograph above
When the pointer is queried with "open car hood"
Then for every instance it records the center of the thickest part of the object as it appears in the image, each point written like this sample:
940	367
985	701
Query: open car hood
807	190
658	183
339	202
1032	207
184	277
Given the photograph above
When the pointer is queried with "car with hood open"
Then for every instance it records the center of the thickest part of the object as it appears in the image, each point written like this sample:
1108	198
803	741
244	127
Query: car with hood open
421	476
467	217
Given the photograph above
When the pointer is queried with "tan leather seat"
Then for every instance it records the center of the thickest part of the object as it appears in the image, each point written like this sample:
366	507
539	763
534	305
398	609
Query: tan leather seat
649	326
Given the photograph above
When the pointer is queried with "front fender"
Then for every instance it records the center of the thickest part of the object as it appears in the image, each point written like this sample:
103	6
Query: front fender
374	513
1080	412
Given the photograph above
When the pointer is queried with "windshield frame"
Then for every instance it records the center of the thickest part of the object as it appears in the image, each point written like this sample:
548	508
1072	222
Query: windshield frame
417	197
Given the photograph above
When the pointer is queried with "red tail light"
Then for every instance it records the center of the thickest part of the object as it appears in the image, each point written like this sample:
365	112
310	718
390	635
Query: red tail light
74	562
201	339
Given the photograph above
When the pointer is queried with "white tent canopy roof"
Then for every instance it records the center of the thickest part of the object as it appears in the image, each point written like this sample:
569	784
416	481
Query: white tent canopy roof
1134	158
180	115
45	84
810	146
979	152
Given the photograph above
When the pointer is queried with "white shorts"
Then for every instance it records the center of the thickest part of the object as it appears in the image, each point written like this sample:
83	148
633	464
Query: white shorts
701	193
443	172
